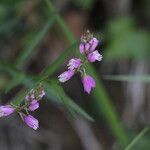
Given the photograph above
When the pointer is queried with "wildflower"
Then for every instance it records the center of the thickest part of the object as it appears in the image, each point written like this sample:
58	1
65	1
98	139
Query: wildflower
31	103
81	48
87	47
92	57
27	97
30	96
74	63
88	83
34	105
6	110
42	93
84	48
65	76
31	121
93	44
88	43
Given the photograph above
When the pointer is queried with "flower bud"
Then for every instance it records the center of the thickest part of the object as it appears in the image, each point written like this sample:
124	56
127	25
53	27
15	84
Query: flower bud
65	76
34	105
81	48
93	44
42	93
74	63
88	83
6	110
31	122
92	57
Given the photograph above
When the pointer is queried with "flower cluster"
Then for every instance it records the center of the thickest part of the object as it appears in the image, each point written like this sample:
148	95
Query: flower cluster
87	48
31	103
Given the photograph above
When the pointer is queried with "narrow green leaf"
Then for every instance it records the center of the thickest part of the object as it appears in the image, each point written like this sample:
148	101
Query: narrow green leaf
8	67
137	138
61	23
128	78
17	80
36	40
60	96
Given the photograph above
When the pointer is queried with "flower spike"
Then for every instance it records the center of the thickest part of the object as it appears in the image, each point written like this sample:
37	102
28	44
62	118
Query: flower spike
87	48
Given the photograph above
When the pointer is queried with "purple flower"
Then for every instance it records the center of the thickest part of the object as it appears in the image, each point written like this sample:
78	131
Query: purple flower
34	105
93	44
6	110
42	94
92	57
86	48
31	122
81	48
27	97
74	63
88	83
32	96
65	76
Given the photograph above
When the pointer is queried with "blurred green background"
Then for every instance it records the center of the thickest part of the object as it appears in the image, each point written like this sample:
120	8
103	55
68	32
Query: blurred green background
38	37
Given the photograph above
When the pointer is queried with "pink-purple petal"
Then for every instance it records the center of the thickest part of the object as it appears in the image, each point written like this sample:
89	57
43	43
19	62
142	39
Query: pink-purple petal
6	110
88	83
65	76
94	43
92	57
31	122
81	48
34	105
74	63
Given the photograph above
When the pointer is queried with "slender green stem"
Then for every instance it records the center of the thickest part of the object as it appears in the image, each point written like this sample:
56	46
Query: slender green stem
61	22
137	138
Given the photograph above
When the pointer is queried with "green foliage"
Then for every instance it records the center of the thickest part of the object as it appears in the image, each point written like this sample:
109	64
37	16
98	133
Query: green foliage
58	93
84	4
128	78
34	42
126	41
139	142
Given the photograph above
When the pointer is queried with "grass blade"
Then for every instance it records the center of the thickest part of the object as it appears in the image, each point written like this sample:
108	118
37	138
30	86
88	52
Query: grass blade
128	78
137	138
37	39
61	22
59	94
